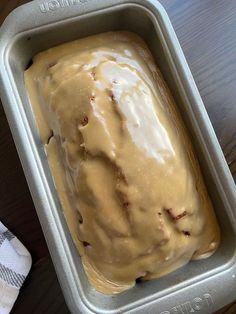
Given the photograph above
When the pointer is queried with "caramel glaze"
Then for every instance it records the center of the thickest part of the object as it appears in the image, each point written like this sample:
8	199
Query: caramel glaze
130	186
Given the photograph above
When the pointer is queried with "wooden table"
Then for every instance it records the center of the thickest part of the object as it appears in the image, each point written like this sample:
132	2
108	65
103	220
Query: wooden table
207	33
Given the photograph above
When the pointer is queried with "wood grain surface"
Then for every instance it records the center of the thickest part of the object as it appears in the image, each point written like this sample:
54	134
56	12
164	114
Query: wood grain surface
207	33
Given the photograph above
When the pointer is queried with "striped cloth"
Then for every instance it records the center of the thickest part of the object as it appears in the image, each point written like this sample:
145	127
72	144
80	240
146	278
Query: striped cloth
15	263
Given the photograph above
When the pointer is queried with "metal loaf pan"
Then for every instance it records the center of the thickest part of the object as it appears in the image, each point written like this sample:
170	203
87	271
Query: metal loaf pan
201	286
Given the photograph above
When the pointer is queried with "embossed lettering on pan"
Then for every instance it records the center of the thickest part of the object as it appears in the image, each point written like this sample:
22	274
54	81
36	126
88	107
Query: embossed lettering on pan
53	5
193	306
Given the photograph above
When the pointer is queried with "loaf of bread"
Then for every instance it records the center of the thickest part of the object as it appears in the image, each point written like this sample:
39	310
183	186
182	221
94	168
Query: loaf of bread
126	175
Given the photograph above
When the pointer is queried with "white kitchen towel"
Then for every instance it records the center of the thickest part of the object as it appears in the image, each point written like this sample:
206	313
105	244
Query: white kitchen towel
15	264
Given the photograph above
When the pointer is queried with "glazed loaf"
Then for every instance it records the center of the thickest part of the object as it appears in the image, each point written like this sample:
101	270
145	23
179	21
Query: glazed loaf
124	168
